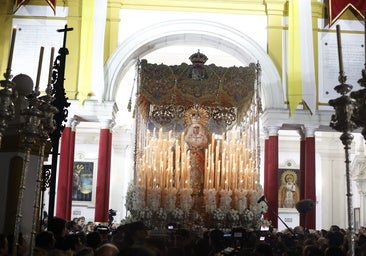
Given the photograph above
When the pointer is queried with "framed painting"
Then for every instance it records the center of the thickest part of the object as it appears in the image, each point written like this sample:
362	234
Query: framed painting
288	190
83	183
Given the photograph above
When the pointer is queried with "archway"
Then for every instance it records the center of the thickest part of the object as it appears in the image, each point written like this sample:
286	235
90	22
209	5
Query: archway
197	32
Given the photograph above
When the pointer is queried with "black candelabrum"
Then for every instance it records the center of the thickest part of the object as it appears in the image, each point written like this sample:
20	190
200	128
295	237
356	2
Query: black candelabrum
61	104
350	113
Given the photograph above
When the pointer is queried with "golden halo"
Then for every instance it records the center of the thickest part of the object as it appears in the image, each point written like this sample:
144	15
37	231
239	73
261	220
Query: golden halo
287	173
196	114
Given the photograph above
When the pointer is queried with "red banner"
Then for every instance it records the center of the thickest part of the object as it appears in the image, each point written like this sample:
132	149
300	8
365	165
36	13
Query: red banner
52	4
338	7
19	3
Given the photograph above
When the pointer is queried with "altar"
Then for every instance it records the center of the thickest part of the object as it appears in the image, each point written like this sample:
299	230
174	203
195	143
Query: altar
290	216
197	149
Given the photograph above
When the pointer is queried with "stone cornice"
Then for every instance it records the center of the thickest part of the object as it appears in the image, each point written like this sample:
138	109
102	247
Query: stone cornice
233	6
93	111
282	118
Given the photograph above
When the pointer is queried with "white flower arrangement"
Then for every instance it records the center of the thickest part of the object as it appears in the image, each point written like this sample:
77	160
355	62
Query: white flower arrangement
153	198
240	200
248	215
225	199
254	196
210	199
170	199
161	214
233	215
128	219
135	200
177	214
146	214
218	214
186	200
265	223
261	207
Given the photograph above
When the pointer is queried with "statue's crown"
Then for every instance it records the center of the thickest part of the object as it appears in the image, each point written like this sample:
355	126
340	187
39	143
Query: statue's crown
198	58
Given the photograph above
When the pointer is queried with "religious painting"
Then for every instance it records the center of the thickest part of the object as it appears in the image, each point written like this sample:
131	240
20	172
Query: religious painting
82	188
288	191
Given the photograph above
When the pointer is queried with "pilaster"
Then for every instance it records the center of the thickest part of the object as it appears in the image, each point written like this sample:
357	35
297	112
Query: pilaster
275	11
6	22
358	170
112	27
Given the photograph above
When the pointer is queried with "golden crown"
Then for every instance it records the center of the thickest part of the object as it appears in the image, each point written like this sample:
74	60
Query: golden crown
198	58
196	114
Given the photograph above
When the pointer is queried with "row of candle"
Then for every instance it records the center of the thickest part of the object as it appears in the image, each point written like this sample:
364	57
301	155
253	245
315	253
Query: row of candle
229	164
165	162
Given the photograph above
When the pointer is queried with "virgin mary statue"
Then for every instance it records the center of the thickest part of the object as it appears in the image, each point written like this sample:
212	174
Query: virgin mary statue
197	137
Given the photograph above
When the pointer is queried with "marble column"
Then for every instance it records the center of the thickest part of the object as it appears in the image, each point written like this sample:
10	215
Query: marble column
310	176
65	172
103	176
271	174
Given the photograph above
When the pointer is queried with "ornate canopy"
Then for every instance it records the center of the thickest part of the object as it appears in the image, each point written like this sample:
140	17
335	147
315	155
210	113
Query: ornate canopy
167	91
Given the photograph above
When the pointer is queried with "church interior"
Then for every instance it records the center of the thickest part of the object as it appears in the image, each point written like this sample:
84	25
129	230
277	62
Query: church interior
206	114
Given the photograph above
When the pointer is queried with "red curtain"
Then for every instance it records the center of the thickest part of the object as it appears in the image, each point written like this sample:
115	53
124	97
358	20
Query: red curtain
338	7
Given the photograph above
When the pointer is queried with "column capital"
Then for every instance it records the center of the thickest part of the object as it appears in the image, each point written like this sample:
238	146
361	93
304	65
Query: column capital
106	124
275	7
272	130
74	123
309	131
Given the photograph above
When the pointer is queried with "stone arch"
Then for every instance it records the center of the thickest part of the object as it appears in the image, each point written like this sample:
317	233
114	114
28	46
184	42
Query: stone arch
193	32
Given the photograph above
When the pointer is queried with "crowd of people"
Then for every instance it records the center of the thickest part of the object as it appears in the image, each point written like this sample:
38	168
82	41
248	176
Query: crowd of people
87	239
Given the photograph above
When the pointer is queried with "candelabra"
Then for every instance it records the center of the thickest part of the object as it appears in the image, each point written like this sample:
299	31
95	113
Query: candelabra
30	132
61	104
343	121
7	96
46	128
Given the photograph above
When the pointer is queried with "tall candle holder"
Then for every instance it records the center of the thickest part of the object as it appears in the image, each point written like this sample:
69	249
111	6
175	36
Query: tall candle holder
46	128
343	122
7	95
30	131
60	102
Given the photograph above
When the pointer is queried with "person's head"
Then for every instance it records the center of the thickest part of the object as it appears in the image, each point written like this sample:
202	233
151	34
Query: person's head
118	236
73	242
93	239
45	240
137	231
107	249
81	221
103	231
86	251
57	226
263	249
333	251
335	239
72	227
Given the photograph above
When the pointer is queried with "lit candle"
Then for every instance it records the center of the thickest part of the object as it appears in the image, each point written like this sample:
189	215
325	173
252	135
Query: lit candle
340	58
36	89
10	59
